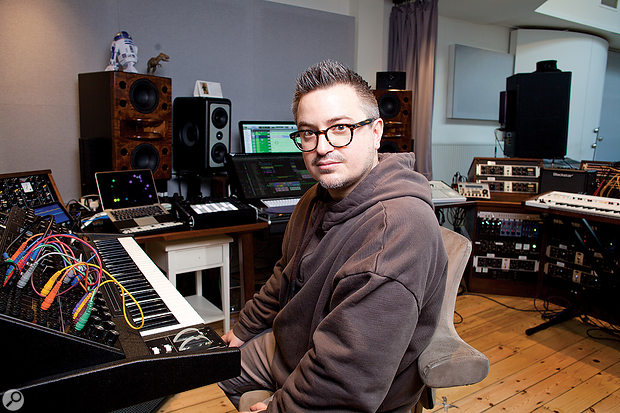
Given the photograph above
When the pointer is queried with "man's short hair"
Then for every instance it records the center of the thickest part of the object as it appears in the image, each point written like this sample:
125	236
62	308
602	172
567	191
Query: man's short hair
330	73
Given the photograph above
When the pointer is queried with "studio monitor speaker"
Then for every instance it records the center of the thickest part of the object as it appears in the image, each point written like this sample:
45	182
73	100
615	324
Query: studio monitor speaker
536	114
134	112
201	133
391	80
395	110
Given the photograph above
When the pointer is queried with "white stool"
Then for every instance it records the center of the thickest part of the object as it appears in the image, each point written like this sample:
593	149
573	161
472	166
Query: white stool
195	255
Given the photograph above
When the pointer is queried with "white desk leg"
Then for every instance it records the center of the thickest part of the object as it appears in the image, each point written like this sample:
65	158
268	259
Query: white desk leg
225	287
172	276
198	283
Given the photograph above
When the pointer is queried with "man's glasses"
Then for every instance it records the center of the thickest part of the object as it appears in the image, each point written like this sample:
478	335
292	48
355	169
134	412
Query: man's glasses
338	135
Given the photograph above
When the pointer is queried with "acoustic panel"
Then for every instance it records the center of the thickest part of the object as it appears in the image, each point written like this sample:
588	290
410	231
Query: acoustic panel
475	78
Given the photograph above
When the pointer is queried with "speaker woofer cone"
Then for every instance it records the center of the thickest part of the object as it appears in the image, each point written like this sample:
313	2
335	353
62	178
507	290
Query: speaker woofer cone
218	152
145	156
219	117
389	105
144	96
190	134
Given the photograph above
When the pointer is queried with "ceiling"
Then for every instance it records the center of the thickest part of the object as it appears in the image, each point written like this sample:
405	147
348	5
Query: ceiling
517	14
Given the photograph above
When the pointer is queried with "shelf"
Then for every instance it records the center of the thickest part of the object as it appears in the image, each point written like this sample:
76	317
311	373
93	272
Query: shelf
205	309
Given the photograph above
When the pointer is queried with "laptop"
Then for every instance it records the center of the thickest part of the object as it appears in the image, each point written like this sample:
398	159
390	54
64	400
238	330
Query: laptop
267	136
272	182
130	200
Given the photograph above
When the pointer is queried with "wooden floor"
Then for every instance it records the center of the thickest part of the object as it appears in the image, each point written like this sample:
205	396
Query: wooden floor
559	369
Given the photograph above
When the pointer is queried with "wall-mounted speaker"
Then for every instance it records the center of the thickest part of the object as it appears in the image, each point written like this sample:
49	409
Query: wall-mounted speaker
134	112
201	134
395	110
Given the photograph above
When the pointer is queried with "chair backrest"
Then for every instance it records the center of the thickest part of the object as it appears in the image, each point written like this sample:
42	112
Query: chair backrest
448	361
459	249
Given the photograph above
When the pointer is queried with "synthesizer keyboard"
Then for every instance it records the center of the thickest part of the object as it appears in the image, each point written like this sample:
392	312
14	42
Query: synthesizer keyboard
164	307
577	203
442	194
50	351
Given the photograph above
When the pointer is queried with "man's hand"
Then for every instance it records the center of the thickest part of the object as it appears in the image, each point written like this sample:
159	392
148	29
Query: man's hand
231	339
258	407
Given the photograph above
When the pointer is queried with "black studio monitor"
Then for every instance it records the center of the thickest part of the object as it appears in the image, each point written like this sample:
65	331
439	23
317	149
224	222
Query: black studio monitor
391	80
534	112
200	134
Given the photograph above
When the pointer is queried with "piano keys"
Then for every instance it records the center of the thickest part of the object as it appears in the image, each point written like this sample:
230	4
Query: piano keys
589	206
163	306
141	366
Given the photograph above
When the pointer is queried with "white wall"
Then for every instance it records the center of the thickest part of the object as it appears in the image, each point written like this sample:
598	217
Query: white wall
451	131
457	141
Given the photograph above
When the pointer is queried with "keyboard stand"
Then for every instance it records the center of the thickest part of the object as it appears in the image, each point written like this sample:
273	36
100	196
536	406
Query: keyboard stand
581	299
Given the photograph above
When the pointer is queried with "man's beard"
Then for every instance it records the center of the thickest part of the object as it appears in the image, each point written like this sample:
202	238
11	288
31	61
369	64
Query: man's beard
343	182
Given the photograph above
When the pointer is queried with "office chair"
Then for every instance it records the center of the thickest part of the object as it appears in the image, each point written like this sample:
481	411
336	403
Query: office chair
447	361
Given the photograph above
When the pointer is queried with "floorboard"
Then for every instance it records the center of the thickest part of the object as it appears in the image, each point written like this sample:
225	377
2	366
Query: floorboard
559	369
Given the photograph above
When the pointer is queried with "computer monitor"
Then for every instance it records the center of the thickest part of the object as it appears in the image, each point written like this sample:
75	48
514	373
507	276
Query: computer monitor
267	136
268	176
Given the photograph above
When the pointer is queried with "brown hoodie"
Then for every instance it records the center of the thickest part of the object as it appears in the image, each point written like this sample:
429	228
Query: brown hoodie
370	274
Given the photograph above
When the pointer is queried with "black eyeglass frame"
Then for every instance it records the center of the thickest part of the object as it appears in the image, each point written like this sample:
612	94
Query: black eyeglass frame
351	127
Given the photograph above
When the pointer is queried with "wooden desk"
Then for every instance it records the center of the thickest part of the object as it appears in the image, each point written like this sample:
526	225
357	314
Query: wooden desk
243	234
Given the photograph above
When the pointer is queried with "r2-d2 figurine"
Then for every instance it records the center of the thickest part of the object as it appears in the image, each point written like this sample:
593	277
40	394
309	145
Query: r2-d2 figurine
123	53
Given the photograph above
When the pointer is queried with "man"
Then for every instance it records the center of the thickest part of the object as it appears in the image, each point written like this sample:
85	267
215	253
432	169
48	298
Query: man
356	295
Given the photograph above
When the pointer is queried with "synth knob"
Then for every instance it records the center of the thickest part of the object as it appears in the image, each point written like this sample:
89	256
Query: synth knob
105	315
96	332
108	325
111	337
95	319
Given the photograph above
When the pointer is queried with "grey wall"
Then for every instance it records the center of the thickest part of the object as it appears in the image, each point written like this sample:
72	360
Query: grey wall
254	48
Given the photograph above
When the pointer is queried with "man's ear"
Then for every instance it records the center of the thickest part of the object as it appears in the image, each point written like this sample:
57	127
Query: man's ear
377	130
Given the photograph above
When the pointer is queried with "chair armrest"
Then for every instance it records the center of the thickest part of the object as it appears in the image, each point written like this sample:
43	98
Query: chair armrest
252	397
448	361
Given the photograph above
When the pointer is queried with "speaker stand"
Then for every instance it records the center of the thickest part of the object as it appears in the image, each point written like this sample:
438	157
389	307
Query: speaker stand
193	187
